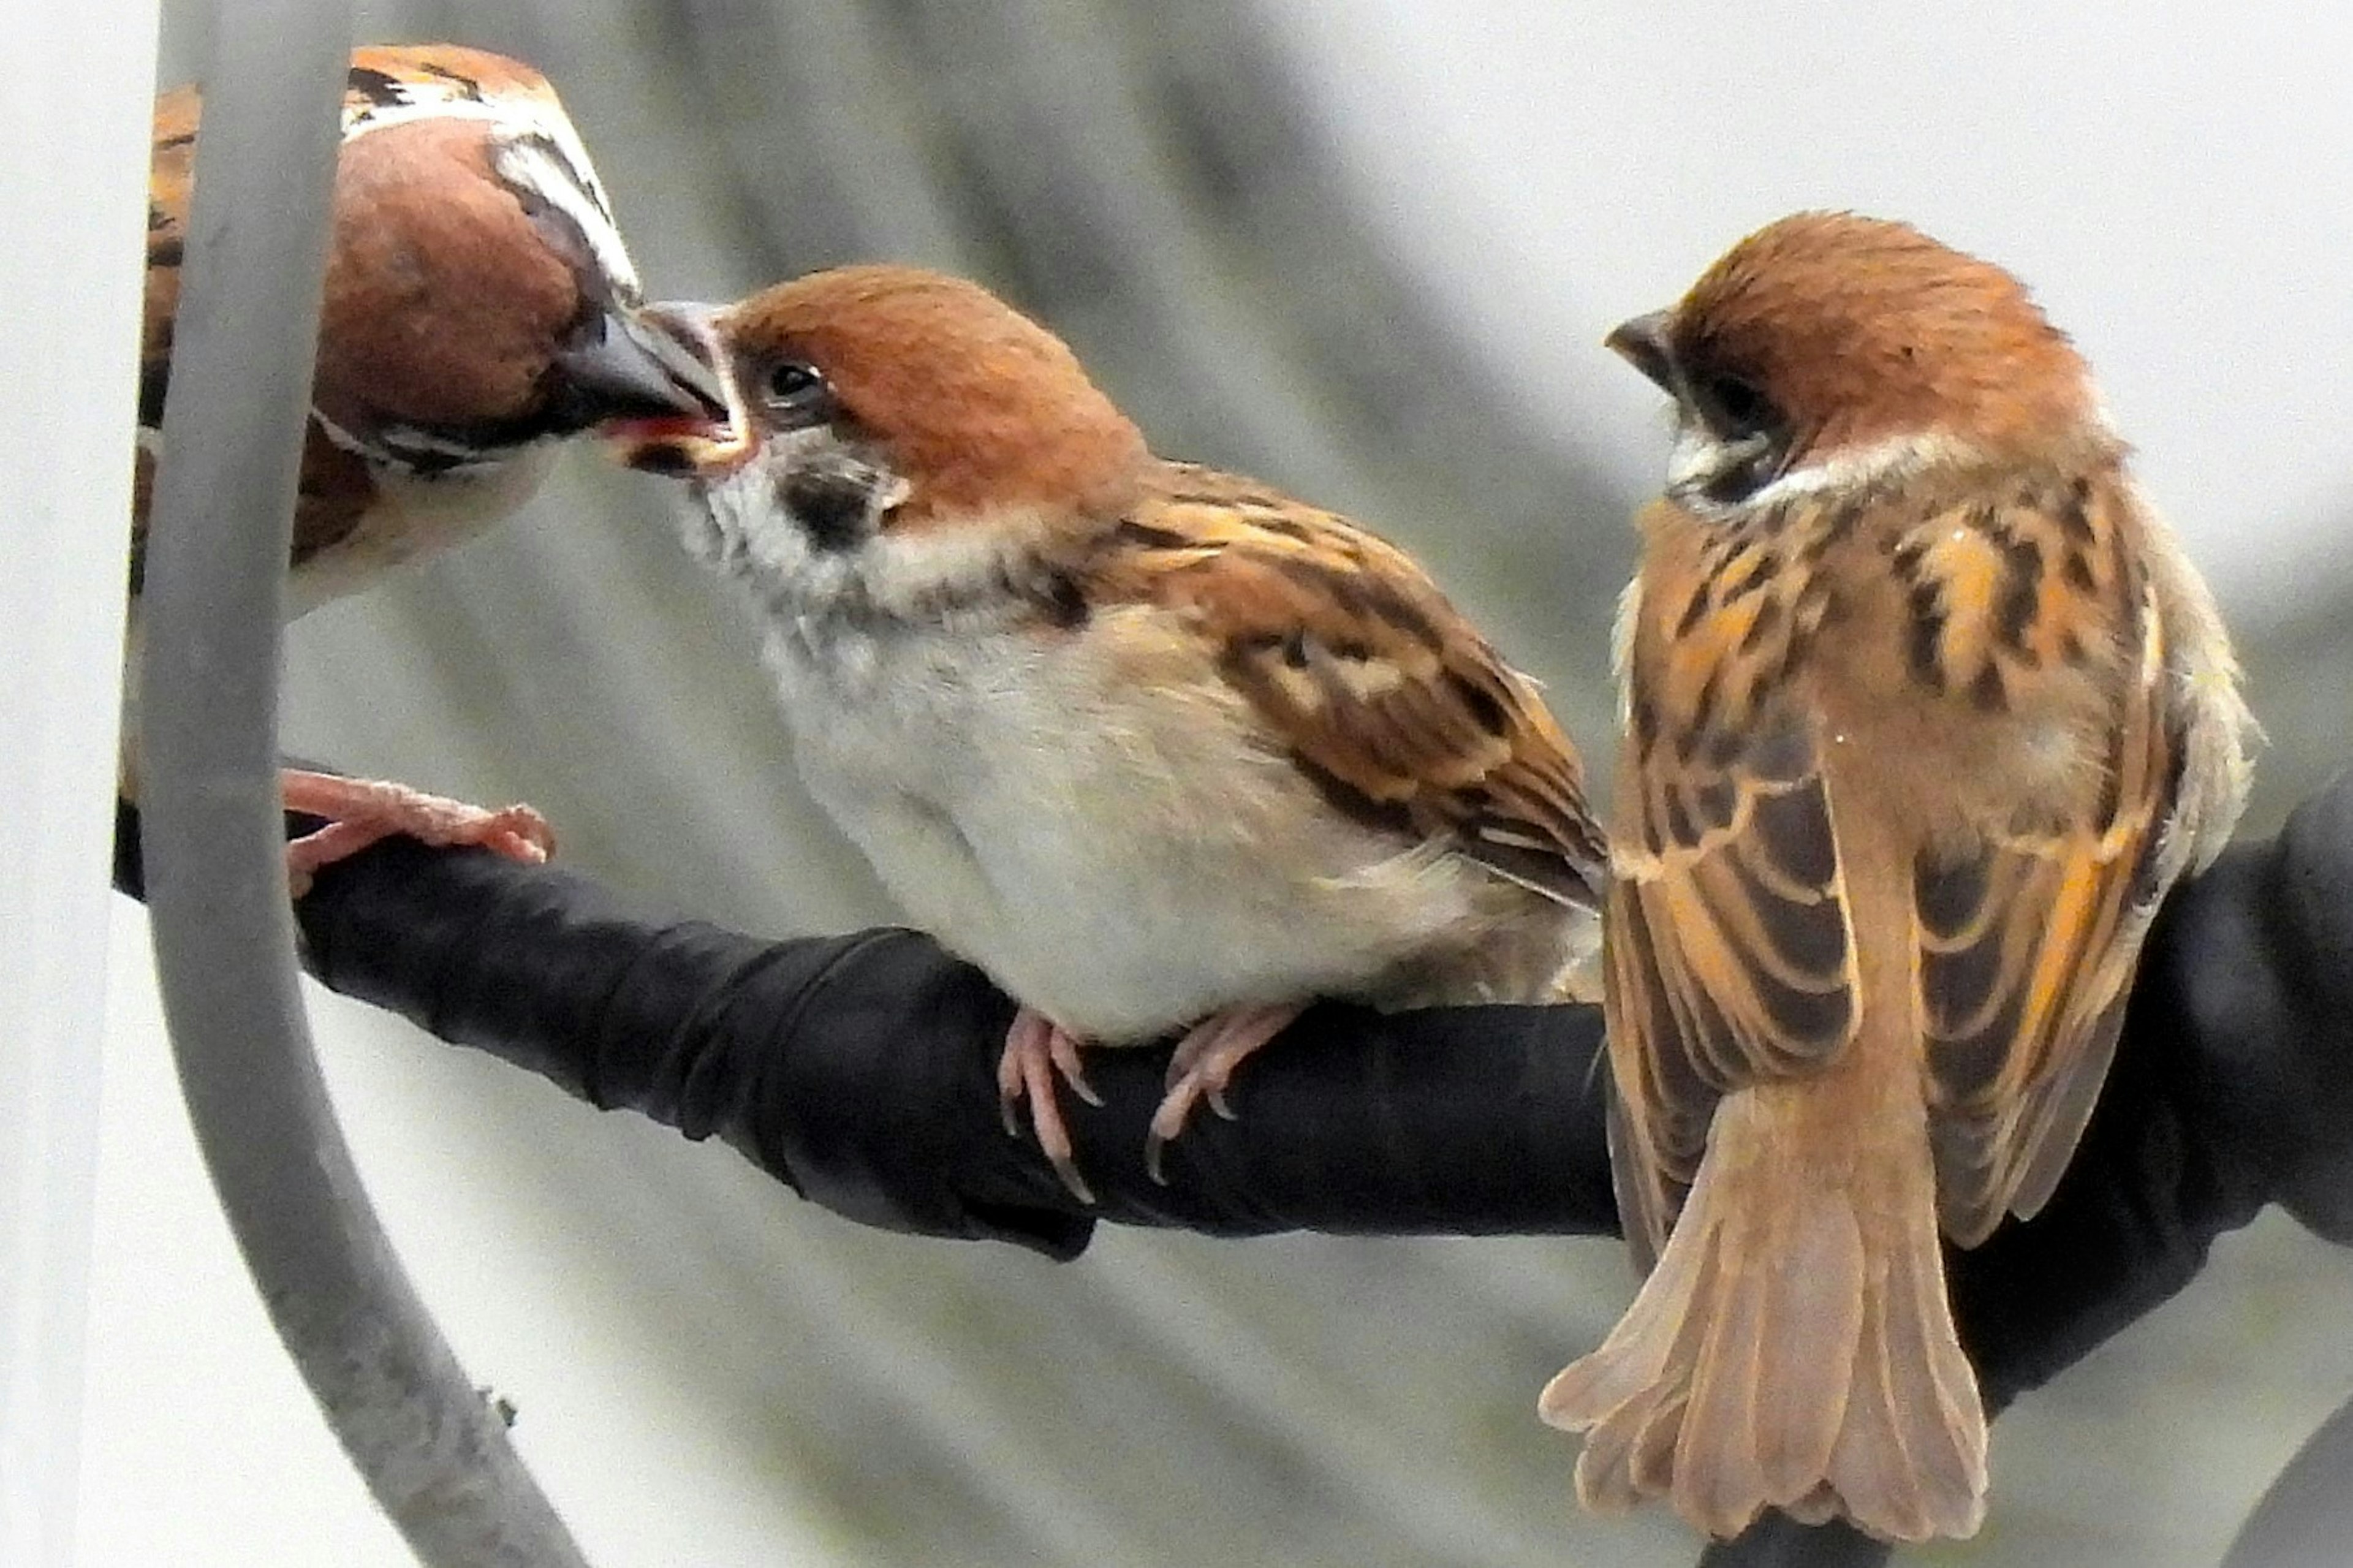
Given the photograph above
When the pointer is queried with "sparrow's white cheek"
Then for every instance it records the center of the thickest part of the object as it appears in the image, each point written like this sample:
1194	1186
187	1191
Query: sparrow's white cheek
700	529
1694	459
716	523
739	525
1702	464
538	160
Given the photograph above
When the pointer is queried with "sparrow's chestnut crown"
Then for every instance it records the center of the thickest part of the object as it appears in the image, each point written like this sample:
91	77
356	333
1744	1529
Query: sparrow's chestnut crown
1824	334
974	406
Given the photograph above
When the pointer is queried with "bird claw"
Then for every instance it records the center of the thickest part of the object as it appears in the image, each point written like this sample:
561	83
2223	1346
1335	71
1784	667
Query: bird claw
1037	1053
1202	1066
359	811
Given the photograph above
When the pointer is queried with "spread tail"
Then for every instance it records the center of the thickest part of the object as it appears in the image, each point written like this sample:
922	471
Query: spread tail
1789	1351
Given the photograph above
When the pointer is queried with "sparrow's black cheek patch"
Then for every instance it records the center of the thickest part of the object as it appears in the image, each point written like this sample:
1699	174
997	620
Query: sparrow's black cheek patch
1062	603
832	508
383	90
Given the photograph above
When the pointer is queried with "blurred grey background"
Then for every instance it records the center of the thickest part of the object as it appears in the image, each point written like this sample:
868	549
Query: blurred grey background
1366	250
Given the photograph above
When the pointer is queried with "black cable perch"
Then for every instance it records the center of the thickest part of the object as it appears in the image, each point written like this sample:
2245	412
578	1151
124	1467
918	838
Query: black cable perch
859	1070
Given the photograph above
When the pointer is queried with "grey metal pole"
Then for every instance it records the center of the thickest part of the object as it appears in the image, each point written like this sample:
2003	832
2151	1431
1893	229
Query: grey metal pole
437	1458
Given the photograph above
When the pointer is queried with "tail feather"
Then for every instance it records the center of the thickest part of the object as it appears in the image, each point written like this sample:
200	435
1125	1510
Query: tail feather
1935	1391
1814	1301
1785	1354
1717	1469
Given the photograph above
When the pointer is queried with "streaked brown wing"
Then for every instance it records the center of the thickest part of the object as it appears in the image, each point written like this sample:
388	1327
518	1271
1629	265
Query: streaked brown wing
2027	947
1384	693
1729	942
1730	956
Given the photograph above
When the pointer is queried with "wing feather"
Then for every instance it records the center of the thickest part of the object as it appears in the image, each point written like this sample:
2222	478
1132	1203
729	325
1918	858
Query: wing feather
1729	935
2027	947
1381	690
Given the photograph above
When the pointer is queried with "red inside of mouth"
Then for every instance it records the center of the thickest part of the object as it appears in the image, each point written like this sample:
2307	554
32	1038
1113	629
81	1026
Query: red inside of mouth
644	430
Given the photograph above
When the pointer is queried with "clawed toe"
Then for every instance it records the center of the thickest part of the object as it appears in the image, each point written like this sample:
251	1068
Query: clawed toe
1039	1054
1201	1068
359	811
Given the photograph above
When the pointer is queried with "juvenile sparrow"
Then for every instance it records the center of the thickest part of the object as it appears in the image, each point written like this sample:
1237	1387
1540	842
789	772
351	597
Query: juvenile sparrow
1925	710
1155	746
479	307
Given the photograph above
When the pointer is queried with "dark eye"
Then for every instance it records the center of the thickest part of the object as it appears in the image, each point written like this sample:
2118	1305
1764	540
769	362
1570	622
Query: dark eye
793	387
1743	409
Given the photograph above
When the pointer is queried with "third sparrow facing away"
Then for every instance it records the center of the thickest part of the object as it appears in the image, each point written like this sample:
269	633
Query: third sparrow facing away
1156	747
1926	709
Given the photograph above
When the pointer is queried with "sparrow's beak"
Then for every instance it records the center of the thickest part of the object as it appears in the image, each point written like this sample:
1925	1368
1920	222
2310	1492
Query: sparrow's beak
712	435
1642	343
618	368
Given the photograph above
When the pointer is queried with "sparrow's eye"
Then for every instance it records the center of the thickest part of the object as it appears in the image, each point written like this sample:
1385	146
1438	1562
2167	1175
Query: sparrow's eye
1740	408
796	391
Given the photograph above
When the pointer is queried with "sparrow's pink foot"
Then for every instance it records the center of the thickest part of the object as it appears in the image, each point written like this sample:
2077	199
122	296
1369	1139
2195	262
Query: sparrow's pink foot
1203	1064
361	811
1036	1051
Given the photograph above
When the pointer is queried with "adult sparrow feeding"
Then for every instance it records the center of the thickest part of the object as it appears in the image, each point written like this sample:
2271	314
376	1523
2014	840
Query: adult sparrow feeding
479	307
1925	710
1155	746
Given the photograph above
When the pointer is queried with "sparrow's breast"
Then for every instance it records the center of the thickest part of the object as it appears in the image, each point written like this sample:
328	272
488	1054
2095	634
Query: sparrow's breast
403	517
1124	854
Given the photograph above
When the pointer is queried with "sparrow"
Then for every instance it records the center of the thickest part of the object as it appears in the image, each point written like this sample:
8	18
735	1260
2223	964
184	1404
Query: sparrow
1924	709
1155	746
480	308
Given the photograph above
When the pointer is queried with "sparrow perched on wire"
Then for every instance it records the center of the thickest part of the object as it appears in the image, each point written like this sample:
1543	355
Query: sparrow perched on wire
1925	710
479	307
1155	746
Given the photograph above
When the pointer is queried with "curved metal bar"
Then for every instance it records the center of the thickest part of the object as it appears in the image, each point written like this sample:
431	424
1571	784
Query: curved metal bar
435	1456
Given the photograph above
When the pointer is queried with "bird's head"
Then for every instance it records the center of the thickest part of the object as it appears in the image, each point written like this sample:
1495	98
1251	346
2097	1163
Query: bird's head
888	407
478	297
1827	348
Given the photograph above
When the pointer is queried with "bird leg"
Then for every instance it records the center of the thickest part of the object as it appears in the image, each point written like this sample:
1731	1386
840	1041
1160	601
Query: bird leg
1203	1064
1036	1051
361	811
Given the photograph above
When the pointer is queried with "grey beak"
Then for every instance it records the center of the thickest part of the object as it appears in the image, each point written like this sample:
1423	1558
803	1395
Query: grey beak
1642	343
622	367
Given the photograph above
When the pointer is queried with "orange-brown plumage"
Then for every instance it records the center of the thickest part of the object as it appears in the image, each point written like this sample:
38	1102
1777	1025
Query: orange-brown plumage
1868	330
451	69
1925	711
1401	710
444	303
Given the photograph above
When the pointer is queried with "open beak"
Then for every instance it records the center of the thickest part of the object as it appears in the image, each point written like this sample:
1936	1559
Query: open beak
711	436
1642	343
618	369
